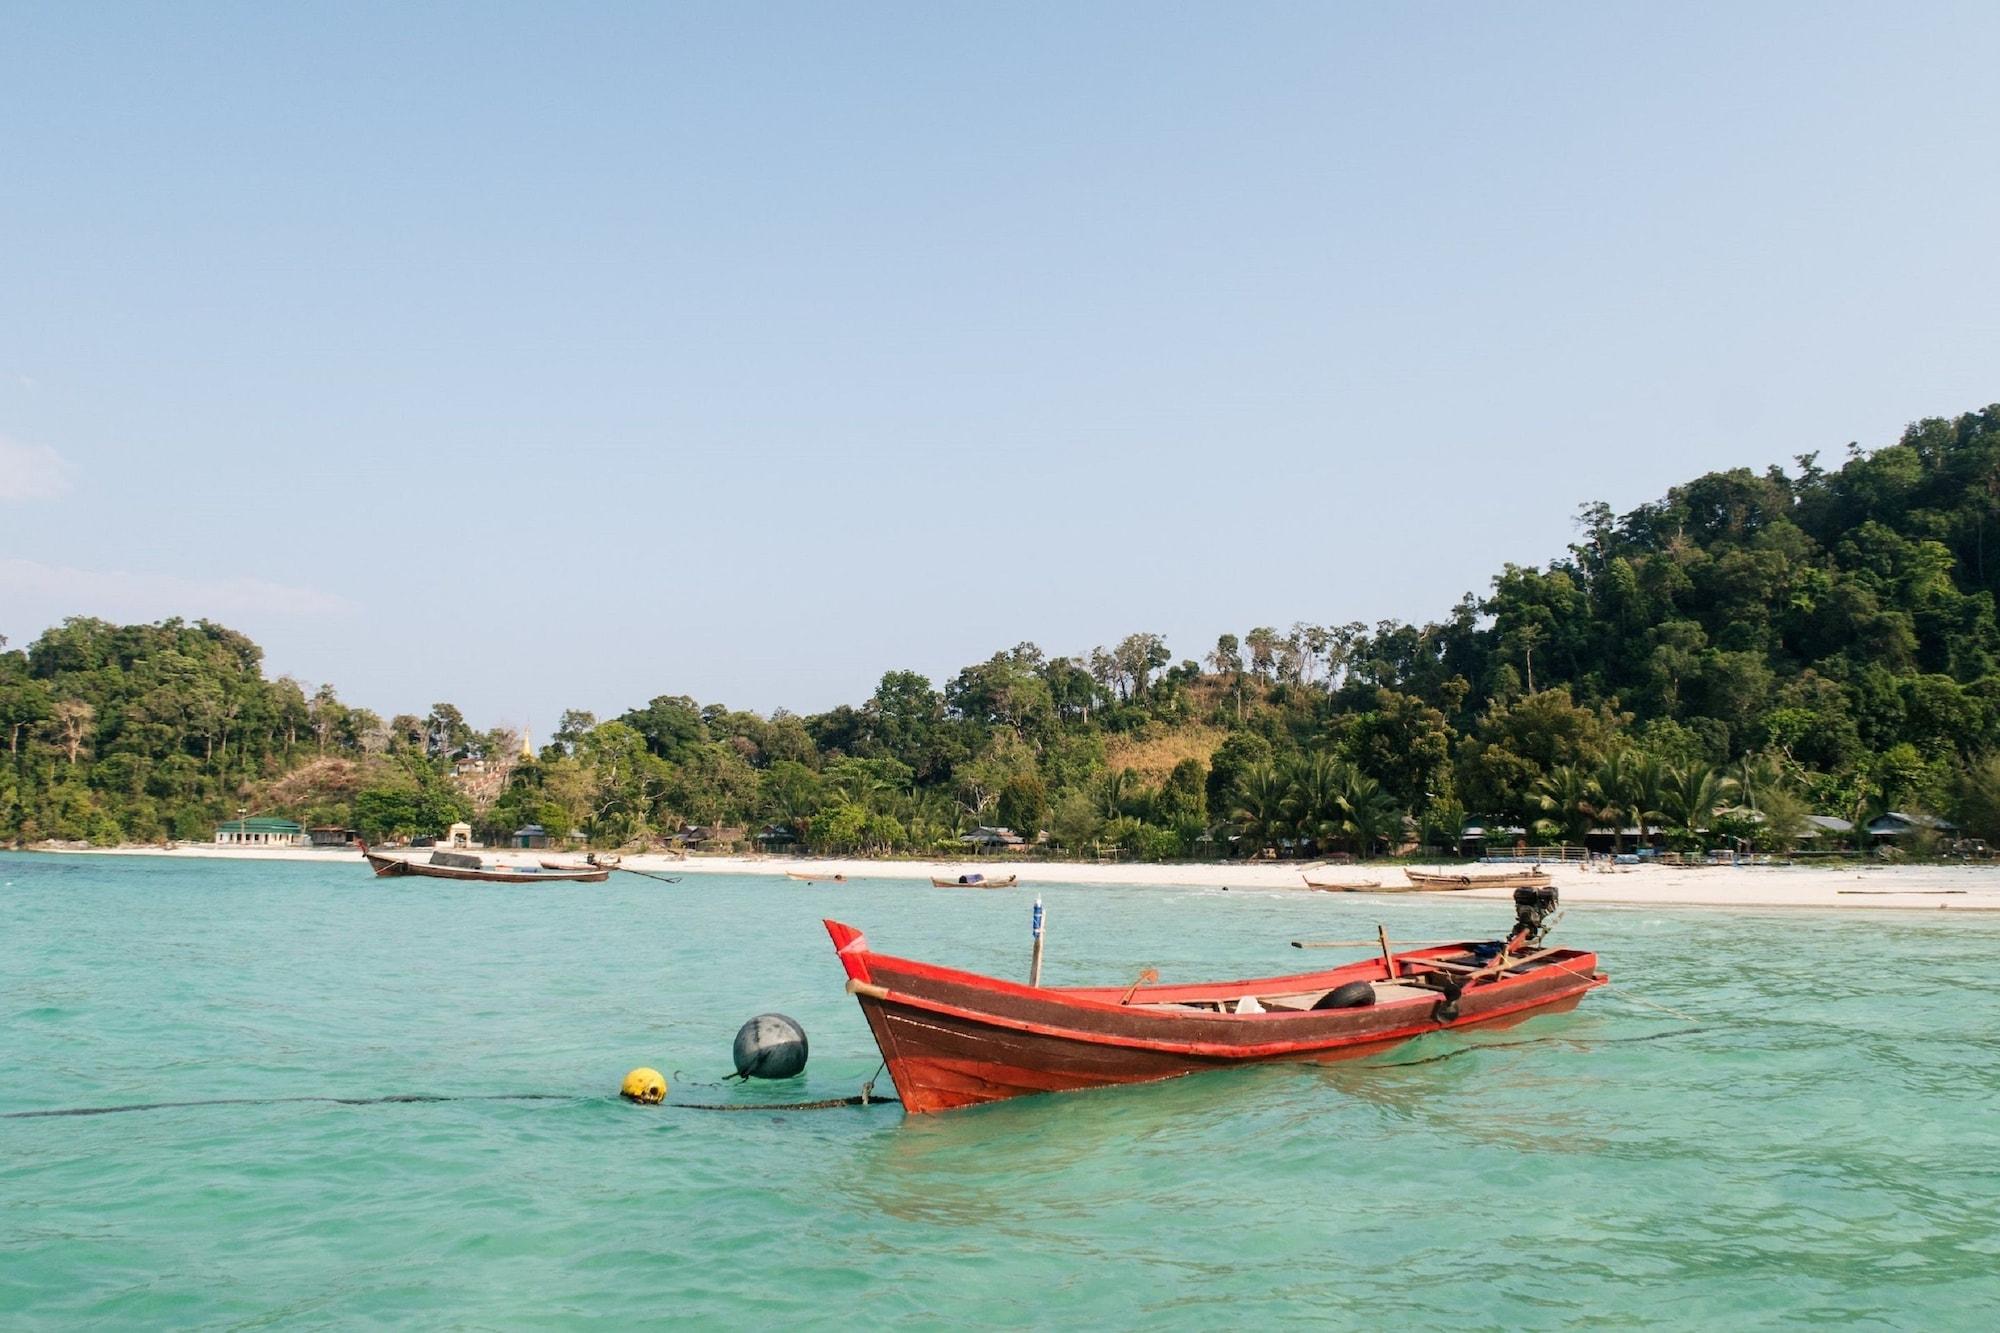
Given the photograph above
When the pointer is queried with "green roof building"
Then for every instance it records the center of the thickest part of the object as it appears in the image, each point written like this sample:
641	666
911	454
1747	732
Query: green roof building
261	831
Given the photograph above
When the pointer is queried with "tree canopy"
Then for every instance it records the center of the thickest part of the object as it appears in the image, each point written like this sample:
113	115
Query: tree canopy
1751	646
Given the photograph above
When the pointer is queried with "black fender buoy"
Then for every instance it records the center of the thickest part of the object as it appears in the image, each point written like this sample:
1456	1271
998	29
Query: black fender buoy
1354	995
770	1046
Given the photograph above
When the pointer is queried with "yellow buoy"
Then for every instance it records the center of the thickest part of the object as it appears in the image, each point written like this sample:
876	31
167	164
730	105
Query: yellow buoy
646	1086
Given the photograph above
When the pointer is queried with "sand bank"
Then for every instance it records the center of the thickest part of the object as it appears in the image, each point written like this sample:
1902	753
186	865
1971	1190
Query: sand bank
1819	888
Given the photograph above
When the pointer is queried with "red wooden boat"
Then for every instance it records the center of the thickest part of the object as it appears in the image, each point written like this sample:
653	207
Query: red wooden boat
953	1039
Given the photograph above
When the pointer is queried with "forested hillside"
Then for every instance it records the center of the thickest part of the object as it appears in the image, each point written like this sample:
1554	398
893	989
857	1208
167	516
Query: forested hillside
1750	648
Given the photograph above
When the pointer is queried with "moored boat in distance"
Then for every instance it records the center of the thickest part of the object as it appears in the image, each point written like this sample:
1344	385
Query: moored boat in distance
975	881
1536	878
467	866
811	878
953	1039
1344	885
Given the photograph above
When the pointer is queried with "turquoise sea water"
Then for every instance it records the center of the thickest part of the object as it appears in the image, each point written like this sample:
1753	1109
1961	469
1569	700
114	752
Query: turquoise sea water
1823	1145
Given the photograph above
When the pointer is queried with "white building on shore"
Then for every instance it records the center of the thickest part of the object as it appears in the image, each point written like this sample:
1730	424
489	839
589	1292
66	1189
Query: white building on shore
261	831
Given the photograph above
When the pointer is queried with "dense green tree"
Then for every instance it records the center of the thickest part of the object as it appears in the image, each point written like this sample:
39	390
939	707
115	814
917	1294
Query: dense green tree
1075	822
446	732
1405	744
1236	756
1823	637
1183	798
1024	804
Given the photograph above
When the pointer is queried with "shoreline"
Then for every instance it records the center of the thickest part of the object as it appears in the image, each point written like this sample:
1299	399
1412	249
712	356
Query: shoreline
1931	888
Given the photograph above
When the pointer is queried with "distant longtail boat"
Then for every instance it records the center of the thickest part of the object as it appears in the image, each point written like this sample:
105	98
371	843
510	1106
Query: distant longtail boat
1537	878
465	866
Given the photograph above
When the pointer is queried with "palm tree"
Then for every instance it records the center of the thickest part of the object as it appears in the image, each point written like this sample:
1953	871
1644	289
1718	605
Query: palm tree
1777	811
1635	789
1258	807
1573	797
1443	825
930	816
1114	790
1312	800
1759	774
1692	795
1617	784
1368	814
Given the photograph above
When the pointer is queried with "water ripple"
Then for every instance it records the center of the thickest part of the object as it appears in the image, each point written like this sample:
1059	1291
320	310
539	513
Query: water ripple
1823	1144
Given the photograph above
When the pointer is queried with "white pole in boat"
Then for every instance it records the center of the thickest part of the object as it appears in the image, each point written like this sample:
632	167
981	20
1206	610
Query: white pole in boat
1035	963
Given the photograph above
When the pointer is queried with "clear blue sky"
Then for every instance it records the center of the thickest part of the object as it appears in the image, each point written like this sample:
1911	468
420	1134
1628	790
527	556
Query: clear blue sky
551	356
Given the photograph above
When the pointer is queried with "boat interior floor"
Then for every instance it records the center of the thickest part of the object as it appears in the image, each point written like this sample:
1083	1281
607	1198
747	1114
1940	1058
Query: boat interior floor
1386	992
1413	985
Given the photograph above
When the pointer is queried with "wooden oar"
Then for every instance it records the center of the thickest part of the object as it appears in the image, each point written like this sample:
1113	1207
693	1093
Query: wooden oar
1506	964
1150	974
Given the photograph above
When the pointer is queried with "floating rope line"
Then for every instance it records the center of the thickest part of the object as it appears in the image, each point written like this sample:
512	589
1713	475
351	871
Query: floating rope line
1618	992
864	1098
1533	1041
826	1105
397	1099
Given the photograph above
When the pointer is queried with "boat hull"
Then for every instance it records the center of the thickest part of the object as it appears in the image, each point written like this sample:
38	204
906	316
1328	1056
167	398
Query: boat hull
1007	883
395	866
1446	883
955	1039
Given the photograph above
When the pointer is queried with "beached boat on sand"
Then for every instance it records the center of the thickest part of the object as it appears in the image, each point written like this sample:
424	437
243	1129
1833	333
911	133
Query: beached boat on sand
1536	878
975	882
1344	885
953	1039
465	866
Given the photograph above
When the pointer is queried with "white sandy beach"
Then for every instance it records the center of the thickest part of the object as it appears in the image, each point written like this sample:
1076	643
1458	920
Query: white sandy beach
1843	887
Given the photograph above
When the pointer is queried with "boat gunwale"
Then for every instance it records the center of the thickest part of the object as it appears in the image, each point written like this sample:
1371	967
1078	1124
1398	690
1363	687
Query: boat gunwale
1085	998
1244	1051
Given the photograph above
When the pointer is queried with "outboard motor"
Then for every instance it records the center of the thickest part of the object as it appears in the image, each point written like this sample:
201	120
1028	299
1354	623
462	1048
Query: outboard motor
1532	910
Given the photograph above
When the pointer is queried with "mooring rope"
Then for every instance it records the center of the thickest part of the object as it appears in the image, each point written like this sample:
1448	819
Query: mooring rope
864	1098
398	1098
828	1104
1619	992
1533	1041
